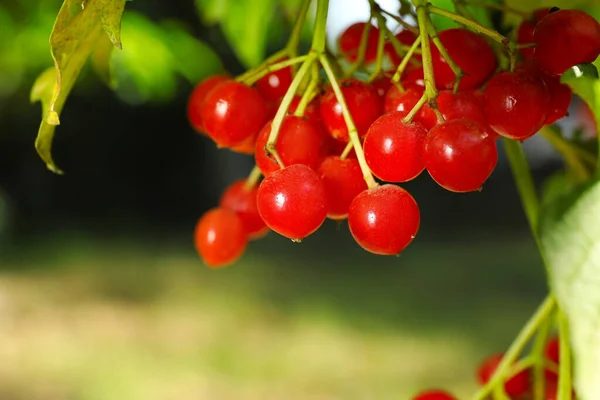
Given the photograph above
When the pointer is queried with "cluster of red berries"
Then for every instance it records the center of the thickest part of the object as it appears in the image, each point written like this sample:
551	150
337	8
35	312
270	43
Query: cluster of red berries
519	384
452	137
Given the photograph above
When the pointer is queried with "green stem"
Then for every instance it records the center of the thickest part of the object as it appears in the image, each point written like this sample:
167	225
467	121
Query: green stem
320	35
458	73
399	20
517	346
252	76
380	48
347	150
537	353
400	70
564	367
294	40
415	109
352	132
285	105
309	92
362	49
253	178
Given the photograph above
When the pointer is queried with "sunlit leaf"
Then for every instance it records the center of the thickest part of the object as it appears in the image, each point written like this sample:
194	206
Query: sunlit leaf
570	240
101	61
78	29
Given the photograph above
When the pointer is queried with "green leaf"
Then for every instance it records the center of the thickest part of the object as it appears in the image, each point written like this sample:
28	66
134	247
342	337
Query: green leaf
570	241
78	29
245	24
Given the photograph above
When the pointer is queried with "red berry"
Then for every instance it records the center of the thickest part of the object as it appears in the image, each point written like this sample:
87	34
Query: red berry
246	147
461	105
553	350
405	37
233	112
298	142
292	201
382	85
560	100
403	102
413	78
274	85
470	52
566	38
363	102
515	386
434	394
311	111
220	237
540	13
393	149
242	200
197	98
516	104
525	36
460	155
384	220
343	181
349	42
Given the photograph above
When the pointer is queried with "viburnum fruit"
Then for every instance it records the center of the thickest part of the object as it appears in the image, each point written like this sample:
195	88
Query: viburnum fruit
274	85
220	237
470	52
460	155
516	104
382	85
363	102
343	181
299	142
384	219
197	97
566	38
233	112
462	105
394	149
311	111
292	201
514	386
403	102
526	29
242	200
349	42
434	394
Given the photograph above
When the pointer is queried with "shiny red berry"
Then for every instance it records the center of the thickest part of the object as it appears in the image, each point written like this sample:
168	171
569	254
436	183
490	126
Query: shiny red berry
434	394
382	85
566	38
292	201
404	101
393	149
461	105
363	102
298	142
197	97
311	111
525	37
460	155
516	104
274	85
349	42
515	386
470	52
242	200
233	112
384	220
343	181
220	237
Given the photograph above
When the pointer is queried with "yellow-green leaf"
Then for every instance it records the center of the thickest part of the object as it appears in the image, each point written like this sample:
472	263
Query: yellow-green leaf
78	30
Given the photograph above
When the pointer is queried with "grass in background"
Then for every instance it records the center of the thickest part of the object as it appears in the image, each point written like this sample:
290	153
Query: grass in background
95	319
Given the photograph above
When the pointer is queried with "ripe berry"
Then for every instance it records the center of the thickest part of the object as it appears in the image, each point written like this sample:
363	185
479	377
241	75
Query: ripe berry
363	102
349	42
552	353
565	38
393	149
470	52
525	36
233	112
460	155
292	201
197	98
382	85
220	237
413	78
403	102
461	105
311	111
246	147
515	386
274	85
242	200
434	394
298	142
406	38
516	104
343	181
384	220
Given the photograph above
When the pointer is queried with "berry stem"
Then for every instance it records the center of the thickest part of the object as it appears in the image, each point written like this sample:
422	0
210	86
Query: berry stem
347	150
380	48
320	34
461	9
400	21
309	92
430	90
564	368
252	76
537	353
405	60
285	105
433	34
362	49
578	159
352	132
294	40
252	178
543	312
409	117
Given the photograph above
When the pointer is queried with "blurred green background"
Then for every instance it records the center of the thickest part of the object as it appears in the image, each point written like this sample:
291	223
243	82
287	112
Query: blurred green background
102	296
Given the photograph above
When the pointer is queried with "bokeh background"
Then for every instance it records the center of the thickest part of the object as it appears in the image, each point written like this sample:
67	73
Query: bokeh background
103	297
